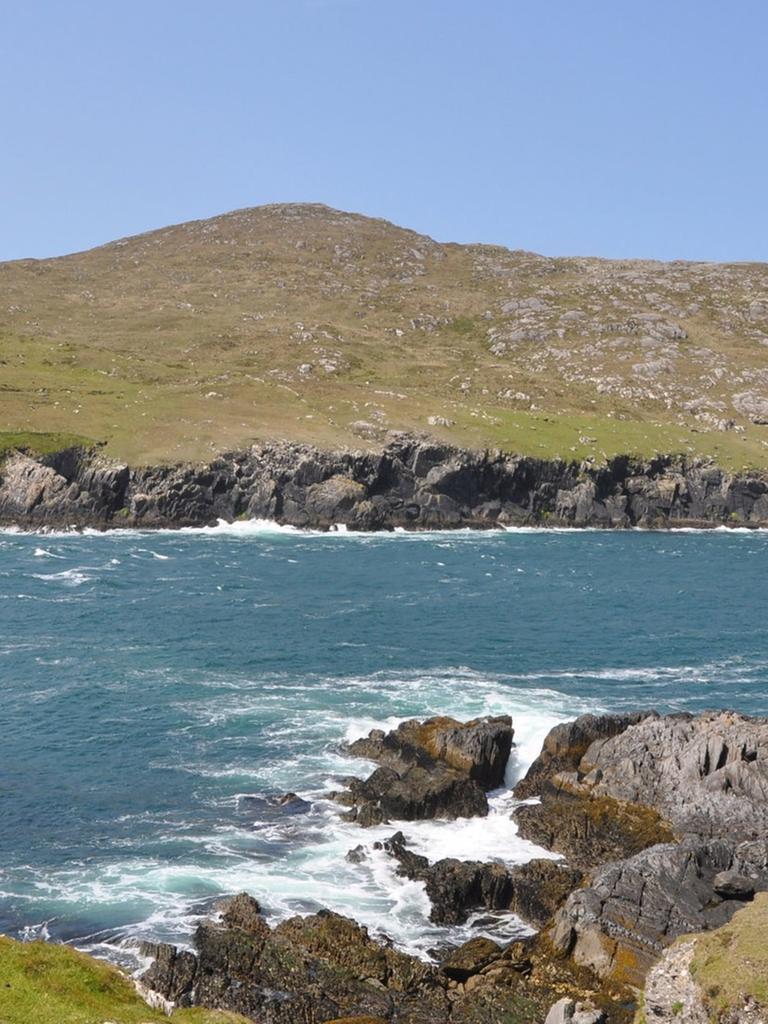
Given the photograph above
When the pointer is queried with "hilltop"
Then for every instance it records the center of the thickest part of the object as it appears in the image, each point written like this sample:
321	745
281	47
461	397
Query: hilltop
299	322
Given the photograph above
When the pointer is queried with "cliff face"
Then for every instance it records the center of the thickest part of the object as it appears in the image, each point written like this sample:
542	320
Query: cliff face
411	484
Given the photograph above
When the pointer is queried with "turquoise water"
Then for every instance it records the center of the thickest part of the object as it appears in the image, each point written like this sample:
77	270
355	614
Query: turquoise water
151	682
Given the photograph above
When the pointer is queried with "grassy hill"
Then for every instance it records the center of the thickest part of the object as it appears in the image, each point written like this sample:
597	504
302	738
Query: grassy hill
47	984
302	322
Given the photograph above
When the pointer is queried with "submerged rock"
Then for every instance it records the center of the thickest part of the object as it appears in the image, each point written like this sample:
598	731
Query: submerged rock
286	804
470	958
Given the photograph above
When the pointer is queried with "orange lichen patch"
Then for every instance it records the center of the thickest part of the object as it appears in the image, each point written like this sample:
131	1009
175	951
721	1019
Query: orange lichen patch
433	737
629	967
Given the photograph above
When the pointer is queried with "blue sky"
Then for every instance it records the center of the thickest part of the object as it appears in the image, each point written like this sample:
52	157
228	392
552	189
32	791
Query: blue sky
594	127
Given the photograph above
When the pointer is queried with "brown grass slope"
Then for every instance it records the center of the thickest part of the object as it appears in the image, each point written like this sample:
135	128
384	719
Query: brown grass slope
303	322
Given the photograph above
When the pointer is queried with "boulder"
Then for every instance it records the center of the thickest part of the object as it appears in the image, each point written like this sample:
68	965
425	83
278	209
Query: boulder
287	804
172	972
562	1011
464	961
456	888
409	864
243	912
478	749
730	885
333	500
539	888
416	794
568	1011
434	769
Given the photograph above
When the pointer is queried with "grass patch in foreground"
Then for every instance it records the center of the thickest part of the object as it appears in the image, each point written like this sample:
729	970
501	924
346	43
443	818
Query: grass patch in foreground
731	963
51	984
40	443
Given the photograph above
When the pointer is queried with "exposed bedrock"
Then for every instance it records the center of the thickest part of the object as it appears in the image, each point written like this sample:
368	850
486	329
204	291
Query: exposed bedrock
566	744
705	774
632	910
412	483
439	768
326	968
591	830
669	814
317	968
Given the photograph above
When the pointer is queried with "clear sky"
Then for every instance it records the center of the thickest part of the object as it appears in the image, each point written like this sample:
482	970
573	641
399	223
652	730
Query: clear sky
594	127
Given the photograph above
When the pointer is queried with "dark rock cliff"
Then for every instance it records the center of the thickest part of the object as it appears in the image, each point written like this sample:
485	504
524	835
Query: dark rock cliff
412	484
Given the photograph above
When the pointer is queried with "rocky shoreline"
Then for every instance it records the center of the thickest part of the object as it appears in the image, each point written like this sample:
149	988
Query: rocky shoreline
662	826
412	483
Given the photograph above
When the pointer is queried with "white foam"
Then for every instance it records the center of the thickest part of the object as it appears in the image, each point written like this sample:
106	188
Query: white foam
68	577
239	528
297	864
262	527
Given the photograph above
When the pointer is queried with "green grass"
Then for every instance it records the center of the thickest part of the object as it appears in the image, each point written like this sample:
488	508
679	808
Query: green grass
731	963
589	436
39	443
42	983
300	323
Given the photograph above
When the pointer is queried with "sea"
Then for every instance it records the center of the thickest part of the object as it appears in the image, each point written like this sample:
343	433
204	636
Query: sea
160	690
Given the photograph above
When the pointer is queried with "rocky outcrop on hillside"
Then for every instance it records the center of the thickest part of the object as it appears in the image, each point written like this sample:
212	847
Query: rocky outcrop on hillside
621	922
566	744
590	831
412	483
